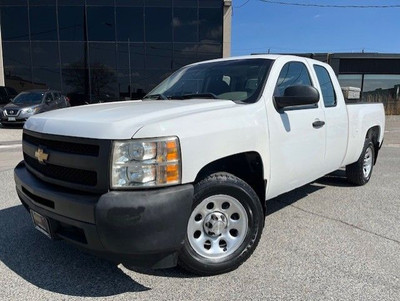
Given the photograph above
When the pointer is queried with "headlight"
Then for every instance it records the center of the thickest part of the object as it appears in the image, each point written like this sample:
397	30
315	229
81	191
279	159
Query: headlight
29	110
146	162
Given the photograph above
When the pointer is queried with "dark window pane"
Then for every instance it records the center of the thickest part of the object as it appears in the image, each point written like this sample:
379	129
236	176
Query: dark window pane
158	24
100	2
209	51
130	3
11	29
16	54
102	54
45	54
185	3
13	2
103	75
185	25
46	78
41	2
138	84
292	74
124	86
130	52
18	78
159	56
325	82
130	24
159	3
210	3
73	54
43	23
71	23
71	2
101	23
184	54
210	28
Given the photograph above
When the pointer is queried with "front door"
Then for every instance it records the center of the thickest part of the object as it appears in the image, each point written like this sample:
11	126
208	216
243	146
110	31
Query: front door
297	139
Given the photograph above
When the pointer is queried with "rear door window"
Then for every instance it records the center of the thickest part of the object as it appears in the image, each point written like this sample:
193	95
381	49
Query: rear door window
327	89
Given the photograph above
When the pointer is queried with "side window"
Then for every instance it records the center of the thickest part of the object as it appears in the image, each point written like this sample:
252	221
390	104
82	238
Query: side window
57	95
49	97
325	82
292	74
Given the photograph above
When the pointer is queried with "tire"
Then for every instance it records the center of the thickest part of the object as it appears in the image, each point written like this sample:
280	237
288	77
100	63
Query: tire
224	228
360	172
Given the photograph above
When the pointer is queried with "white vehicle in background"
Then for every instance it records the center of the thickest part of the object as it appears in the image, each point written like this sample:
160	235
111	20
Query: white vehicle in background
183	176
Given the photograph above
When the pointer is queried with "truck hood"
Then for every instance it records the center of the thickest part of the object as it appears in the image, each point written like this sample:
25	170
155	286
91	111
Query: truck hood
118	120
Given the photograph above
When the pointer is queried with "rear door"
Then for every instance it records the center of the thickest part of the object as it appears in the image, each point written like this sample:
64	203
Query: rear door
297	146
336	120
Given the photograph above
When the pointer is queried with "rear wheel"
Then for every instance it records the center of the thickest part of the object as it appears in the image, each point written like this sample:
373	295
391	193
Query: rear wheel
224	227
360	172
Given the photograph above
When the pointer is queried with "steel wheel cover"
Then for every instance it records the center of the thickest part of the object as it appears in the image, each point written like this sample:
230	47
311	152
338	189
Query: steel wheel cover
217	226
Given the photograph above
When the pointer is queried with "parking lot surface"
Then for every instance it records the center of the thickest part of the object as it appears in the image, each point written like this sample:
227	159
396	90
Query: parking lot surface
327	240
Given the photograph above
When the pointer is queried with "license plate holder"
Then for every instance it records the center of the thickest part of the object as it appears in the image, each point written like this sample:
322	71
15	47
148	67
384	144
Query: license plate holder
41	223
11	119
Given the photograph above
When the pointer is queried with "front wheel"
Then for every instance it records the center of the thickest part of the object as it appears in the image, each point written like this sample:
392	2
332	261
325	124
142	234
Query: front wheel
224	227
360	172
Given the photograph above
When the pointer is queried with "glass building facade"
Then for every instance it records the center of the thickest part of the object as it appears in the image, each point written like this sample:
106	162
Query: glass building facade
377	75
94	50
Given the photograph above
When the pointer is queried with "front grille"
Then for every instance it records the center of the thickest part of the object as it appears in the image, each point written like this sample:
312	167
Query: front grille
79	164
67	147
12	112
73	175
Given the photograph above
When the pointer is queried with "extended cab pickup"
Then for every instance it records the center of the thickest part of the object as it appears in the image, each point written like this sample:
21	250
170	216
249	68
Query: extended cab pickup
182	176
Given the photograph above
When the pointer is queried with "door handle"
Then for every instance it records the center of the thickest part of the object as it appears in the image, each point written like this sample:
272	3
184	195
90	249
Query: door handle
318	124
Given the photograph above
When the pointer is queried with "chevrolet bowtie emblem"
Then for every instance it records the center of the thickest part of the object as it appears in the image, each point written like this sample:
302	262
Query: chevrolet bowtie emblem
41	155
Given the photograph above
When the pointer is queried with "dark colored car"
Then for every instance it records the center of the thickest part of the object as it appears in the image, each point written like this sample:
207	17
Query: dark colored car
28	103
6	95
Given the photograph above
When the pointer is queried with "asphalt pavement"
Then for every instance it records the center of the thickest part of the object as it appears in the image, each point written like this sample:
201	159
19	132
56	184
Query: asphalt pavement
327	240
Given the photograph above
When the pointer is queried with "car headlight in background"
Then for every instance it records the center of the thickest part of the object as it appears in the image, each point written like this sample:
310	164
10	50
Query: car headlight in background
146	163
29	110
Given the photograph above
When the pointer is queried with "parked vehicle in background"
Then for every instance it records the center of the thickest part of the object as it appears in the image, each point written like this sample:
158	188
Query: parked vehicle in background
183	176
32	102
6	95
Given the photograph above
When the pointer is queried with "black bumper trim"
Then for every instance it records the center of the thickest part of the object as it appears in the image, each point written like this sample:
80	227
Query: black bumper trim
141	228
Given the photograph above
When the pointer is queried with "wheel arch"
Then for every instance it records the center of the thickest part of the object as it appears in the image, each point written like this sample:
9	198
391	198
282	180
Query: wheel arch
247	166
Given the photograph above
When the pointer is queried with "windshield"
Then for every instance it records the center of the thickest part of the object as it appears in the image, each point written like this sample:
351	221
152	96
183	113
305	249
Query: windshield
237	80
27	98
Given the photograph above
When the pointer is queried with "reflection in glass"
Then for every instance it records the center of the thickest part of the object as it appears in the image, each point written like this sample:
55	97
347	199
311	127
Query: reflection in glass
71	23
185	25
184	54
43	22
383	88
130	25
13	30
45	54
46	78
350	80
210	24
159	56
16	54
158	24
18	78
101	23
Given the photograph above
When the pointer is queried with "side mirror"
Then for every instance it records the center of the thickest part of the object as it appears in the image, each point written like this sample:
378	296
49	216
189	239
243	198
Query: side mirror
11	98
297	96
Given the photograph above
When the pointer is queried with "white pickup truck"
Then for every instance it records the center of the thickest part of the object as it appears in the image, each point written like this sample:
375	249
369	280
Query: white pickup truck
182	176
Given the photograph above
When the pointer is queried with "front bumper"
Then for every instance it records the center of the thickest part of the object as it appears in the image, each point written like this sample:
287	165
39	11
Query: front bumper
142	228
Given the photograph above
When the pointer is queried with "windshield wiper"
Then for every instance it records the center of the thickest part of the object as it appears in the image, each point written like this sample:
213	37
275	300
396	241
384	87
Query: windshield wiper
156	97
189	96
